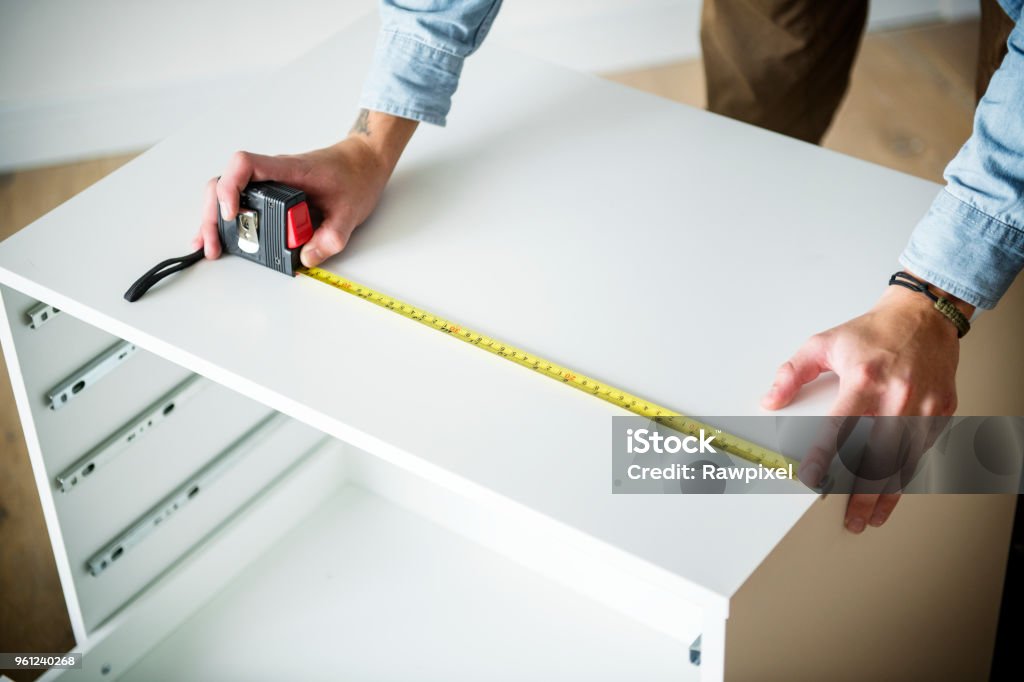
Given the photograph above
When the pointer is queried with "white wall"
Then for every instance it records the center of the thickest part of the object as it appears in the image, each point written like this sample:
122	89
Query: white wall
81	78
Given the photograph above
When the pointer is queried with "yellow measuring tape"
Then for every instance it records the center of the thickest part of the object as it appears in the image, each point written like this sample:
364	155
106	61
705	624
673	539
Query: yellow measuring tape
734	445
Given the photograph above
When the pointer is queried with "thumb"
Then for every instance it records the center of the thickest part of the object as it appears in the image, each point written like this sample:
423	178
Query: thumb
330	238
805	366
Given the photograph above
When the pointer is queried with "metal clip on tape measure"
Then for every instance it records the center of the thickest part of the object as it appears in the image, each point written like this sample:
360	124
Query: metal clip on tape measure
273	223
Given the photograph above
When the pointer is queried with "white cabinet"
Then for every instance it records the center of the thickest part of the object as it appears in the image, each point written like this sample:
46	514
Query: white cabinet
343	494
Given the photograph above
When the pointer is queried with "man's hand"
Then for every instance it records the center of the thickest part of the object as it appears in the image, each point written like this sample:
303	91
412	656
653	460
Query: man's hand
344	181
899	358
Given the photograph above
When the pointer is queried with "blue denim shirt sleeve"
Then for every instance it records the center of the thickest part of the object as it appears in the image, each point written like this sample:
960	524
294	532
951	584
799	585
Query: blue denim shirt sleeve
420	51
971	241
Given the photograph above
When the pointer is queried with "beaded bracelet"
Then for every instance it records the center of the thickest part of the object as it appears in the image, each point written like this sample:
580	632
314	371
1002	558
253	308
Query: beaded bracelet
944	306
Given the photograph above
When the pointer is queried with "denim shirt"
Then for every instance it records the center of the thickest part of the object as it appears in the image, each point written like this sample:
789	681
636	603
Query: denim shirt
970	242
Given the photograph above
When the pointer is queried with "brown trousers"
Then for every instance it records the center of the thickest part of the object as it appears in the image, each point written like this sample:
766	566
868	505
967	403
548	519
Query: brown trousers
785	64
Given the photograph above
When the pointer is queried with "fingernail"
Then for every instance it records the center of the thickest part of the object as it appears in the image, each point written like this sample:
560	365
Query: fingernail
310	257
810	475
224	211
878	519
855	525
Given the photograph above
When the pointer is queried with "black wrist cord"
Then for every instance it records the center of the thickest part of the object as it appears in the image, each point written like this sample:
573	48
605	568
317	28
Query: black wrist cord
159	271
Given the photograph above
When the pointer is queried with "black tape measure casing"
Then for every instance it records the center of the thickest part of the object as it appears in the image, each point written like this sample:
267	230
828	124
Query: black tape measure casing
272	224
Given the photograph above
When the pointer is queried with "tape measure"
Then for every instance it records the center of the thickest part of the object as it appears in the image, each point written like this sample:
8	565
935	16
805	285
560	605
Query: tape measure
734	445
275	220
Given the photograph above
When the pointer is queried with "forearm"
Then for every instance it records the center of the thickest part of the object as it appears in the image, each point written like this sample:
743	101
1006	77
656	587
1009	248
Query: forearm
384	135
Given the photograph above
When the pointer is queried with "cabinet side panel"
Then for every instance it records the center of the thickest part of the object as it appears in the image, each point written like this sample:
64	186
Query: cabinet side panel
915	599
12	314
118	523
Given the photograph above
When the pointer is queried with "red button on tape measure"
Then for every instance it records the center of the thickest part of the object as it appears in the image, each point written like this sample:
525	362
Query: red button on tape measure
300	227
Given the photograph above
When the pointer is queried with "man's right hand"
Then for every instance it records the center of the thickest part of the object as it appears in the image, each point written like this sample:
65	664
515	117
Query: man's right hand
898	359
344	181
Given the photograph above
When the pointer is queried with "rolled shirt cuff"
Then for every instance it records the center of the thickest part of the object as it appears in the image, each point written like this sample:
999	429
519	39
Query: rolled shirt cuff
964	251
411	79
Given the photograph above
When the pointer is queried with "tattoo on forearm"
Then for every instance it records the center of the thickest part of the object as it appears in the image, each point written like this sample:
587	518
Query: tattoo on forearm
362	124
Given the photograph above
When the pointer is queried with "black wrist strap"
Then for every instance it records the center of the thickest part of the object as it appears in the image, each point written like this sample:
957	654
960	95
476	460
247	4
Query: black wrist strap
944	306
159	271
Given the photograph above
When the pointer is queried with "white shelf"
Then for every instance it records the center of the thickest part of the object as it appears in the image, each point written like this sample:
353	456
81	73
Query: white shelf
365	590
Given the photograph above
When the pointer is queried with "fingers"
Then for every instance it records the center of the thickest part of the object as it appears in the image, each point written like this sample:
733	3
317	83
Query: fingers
917	410
936	425
924	431
234	178
208	237
859	509
855	399
878	474
330	238
244	168
814	465
889	447
883	509
937	403
238	173
895	397
805	366
869	509
919	436
831	436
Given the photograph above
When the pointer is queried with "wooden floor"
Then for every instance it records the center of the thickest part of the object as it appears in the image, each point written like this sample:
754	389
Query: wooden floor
910	103
909	108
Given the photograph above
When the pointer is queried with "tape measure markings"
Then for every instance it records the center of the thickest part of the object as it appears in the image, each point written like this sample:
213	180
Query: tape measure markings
734	445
